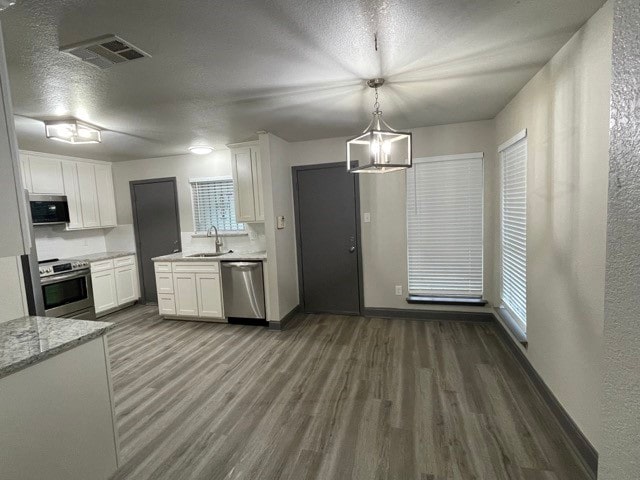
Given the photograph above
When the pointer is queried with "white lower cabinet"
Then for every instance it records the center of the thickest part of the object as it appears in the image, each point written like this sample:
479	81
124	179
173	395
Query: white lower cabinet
115	283
166	304
126	282
209	295
184	286
192	290
104	290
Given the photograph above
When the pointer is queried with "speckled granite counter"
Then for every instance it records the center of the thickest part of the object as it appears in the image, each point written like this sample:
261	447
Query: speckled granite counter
28	340
237	256
99	257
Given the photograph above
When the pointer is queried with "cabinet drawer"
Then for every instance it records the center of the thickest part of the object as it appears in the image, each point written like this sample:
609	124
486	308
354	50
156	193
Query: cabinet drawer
166	304
164	283
101	266
196	267
163	267
124	261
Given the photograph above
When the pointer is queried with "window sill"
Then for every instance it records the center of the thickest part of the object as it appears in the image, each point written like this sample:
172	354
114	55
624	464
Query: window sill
433	300
513	326
220	234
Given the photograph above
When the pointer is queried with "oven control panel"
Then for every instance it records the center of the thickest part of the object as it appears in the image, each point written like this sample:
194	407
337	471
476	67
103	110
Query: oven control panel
61	267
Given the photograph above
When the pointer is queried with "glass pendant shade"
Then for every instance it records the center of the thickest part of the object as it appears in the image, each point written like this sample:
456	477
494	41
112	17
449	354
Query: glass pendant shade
72	131
379	149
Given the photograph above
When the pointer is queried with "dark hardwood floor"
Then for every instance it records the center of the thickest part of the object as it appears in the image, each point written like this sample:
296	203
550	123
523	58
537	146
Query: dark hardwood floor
333	398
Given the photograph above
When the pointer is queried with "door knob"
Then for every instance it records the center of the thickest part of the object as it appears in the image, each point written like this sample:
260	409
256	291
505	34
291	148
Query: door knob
352	249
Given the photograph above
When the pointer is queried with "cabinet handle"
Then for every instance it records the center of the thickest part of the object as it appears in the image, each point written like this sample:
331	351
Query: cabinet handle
352	249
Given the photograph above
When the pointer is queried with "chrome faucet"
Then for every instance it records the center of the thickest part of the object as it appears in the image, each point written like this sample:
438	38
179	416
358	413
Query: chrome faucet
218	241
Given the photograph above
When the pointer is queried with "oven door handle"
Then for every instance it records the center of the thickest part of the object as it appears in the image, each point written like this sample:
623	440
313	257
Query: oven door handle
59	278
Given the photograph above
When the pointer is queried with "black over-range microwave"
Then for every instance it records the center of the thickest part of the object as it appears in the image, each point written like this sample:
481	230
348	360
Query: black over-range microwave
49	209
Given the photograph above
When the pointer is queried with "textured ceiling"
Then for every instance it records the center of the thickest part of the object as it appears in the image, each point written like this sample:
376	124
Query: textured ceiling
222	70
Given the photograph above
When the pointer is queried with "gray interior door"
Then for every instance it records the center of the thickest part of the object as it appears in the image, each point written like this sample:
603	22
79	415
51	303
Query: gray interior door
328	247
156	222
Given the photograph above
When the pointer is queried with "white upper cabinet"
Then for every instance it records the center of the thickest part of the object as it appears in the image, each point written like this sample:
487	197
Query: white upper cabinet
72	191
25	170
106	196
46	175
88	195
257	184
247	181
88	186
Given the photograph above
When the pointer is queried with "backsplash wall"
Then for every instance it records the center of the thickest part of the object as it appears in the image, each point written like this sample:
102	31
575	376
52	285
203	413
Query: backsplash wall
56	242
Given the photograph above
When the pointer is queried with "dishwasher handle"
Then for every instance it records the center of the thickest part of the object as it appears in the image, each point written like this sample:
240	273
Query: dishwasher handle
245	266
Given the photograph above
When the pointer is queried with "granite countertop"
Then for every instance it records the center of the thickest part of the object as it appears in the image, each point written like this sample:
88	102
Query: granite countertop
99	257
184	257
28	340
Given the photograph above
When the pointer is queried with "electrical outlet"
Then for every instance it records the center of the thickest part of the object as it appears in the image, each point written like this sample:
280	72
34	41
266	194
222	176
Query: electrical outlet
398	289
366	217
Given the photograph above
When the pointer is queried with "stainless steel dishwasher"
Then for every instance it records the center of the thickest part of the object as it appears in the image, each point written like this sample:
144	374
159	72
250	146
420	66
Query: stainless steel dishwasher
243	290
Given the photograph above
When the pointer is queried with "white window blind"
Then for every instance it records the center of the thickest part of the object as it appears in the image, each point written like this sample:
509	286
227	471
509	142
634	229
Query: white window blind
444	225
214	204
513	158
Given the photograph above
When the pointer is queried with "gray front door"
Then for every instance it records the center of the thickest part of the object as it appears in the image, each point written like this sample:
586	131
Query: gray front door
328	248
156	222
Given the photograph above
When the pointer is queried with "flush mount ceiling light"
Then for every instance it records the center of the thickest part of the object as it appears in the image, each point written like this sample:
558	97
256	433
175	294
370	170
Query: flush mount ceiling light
201	149
380	148
72	131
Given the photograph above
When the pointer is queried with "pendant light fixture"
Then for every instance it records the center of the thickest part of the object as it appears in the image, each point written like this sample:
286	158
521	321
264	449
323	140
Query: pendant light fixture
380	148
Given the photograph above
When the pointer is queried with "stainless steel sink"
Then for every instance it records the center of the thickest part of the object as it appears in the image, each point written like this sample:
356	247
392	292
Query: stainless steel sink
207	255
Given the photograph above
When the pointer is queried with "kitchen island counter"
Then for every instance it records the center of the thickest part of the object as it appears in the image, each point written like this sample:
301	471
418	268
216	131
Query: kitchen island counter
30	340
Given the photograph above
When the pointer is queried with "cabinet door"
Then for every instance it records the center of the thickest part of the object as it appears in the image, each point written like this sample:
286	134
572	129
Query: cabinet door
104	290
88	195
126	284
72	191
242	168
106	197
46	175
257	184
25	171
184	287
209	295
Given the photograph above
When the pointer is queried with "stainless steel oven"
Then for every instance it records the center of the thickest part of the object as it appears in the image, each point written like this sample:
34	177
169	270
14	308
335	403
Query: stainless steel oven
68	295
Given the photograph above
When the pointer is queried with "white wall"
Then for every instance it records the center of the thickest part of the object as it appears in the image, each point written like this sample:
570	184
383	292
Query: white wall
282	269
12	297
384	241
56	242
565	109
620	449
183	168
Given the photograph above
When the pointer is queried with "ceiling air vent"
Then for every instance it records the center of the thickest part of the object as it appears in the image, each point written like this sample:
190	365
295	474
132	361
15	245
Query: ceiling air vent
105	51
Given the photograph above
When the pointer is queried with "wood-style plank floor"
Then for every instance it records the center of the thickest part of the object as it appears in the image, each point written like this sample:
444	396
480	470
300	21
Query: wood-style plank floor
333	398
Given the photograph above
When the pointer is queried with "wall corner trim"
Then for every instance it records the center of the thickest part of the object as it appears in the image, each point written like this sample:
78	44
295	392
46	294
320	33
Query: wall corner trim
285	322
582	447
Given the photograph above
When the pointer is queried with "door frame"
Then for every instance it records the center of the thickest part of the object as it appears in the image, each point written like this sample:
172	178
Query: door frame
296	212
143	299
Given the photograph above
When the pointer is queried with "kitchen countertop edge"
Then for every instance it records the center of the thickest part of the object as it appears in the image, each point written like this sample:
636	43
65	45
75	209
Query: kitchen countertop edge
8	367
235	256
100	257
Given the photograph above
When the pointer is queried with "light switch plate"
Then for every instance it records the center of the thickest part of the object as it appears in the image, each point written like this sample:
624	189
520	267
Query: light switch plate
398	289
366	217
280	222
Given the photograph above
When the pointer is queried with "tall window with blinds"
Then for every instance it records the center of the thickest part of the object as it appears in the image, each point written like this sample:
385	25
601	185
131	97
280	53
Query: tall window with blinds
214	204
444	226
513	222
